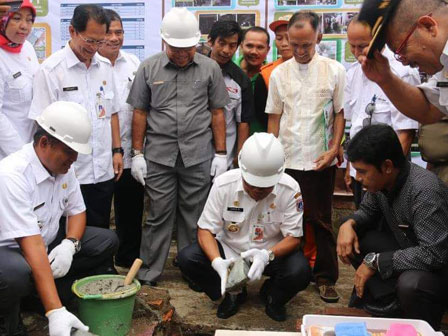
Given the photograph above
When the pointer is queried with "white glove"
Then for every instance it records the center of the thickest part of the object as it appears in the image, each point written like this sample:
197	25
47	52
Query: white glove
221	266
61	322
61	258
138	168
219	165
260	259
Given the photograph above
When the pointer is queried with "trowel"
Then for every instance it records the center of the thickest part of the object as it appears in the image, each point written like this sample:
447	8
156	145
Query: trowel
131	274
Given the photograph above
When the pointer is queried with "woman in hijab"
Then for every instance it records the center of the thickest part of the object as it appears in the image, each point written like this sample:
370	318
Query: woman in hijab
18	64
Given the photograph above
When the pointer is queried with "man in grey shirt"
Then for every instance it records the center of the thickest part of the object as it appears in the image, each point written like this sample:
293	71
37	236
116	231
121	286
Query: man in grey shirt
178	98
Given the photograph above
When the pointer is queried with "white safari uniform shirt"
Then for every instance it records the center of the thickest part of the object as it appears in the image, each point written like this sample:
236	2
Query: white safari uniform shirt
360	91
64	77
31	200
125	67
240	223
307	96
16	91
436	89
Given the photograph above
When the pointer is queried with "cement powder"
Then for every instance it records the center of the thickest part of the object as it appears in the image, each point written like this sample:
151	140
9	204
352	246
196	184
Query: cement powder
104	286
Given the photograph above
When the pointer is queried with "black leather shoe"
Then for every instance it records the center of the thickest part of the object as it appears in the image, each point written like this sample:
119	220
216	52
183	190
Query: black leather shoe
229	306
355	301
192	284
148	283
383	309
276	312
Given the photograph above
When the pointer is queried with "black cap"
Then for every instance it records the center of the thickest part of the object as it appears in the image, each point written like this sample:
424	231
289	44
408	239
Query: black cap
377	14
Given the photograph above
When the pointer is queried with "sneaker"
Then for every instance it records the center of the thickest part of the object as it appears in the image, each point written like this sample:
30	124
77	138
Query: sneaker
328	293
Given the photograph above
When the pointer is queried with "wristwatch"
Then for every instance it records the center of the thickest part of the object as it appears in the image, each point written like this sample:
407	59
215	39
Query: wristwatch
118	150
271	255
75	242
135	152
371	260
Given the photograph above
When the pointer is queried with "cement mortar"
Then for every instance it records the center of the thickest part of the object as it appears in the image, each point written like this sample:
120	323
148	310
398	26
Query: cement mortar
104	286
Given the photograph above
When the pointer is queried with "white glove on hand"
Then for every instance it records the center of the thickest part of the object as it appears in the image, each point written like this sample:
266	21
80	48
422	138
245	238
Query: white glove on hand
260	259
61	322
221	266
219	165
61	258
138	168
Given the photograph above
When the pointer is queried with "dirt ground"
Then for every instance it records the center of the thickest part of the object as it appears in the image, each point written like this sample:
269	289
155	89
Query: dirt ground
192	313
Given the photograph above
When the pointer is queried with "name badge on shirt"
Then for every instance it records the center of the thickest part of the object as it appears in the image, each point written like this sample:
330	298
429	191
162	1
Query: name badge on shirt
442	84
100	108
235	209
17	75
257	233
70	88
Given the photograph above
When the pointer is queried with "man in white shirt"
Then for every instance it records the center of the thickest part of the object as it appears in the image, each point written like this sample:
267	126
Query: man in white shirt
37	187
365	102
254	212
417	32
78	74
128	194
224	39
305	107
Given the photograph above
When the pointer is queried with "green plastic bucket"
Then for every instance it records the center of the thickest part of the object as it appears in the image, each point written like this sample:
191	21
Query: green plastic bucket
106	314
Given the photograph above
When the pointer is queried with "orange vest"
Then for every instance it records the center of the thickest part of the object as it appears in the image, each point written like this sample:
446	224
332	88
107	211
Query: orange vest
267	69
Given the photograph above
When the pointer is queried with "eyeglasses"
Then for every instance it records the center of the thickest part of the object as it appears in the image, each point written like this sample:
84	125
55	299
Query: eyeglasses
92	42
370	108
397	53
118	33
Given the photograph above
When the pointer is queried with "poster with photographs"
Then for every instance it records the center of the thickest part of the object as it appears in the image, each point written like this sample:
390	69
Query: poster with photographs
334	16
204	4
141	22
306	4
330	49
248	13
246	19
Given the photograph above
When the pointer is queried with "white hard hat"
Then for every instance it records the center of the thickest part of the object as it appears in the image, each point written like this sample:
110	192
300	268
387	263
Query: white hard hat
69	123
262	160
180	28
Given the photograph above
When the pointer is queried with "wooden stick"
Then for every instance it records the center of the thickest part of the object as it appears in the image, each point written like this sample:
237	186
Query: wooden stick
133	271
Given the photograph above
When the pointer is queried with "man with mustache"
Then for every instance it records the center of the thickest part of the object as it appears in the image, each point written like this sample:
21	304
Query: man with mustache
398	238
254	212
261	86
178	97
224	39
39	252
417	32
78	74
305	107
254	48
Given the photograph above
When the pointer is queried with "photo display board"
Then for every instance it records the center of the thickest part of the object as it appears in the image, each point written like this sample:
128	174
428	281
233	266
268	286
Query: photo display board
142	19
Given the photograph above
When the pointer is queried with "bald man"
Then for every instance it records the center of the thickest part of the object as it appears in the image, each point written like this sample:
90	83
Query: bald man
417	32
